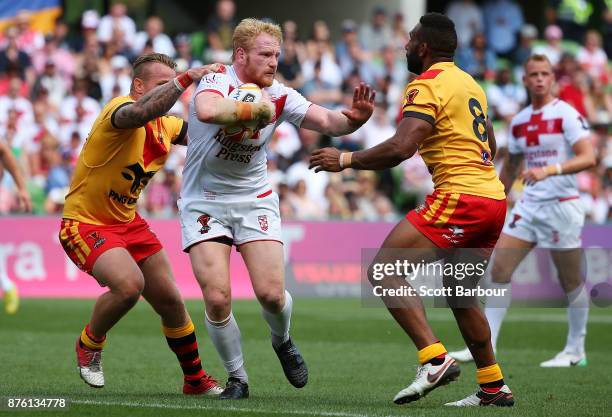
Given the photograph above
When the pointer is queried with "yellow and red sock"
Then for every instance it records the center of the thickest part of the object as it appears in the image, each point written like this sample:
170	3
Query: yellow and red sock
433	353
89	341
182	340
490	378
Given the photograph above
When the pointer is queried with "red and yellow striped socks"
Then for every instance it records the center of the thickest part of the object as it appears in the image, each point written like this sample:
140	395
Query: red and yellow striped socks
431	353
182	341
90	341
490	378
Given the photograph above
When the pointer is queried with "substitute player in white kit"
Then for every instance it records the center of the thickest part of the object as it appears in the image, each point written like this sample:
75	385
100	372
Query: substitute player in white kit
554	141
226	198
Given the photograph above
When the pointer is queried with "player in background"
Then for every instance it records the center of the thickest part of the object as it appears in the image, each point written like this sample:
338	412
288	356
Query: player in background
8	161
226	197
554	141
445	120
103	234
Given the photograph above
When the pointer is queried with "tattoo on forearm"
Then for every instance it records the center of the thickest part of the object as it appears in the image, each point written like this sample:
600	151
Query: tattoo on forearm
155	103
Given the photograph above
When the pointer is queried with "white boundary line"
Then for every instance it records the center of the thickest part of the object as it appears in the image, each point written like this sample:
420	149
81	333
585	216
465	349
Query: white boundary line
228	409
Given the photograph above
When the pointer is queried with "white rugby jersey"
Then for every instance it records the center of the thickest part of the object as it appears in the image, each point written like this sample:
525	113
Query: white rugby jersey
219	167
545	137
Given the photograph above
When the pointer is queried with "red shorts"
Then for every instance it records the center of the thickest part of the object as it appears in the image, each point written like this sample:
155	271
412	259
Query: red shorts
84	243
452	220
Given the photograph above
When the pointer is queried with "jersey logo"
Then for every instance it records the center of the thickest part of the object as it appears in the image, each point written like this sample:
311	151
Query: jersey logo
203	220
411	95
263	222
97	239
139	177
535	127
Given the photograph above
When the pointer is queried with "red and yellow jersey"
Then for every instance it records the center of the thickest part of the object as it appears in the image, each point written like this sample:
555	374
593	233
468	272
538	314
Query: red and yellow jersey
457	153
116	164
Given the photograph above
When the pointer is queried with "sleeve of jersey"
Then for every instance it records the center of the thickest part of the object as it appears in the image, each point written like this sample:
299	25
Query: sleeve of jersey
575	127
295	105
107	121
218	83
421	102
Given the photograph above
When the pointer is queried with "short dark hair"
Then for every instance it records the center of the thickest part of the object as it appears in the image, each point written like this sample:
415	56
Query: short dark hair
438	32
142	62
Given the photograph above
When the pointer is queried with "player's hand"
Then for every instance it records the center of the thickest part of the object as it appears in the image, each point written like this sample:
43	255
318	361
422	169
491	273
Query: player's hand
326	159
24	200
197	73
362	107
534	175
266	109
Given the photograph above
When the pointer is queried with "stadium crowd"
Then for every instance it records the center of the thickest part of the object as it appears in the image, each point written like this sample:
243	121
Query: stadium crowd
52	88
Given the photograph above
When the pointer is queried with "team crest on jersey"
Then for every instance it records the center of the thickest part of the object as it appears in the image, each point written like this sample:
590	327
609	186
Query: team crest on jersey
263	222
203	220
411	95
515	219
486	157
97	239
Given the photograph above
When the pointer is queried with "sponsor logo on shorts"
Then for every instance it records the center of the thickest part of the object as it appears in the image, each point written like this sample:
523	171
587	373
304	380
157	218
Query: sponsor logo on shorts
263	222
455	236
203	220
97	239
420	208
515	219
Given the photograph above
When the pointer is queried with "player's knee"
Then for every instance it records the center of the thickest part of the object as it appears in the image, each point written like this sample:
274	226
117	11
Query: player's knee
218	303
129	292
500	273
272	300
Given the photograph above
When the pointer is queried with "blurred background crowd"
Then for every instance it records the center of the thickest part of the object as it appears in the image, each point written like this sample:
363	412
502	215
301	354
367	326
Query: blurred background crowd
52	87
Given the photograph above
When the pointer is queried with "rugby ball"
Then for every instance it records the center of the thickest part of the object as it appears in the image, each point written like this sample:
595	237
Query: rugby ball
248	93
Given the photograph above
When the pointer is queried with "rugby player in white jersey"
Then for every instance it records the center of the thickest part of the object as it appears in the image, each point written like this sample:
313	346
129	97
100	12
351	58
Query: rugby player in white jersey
226	198
553	139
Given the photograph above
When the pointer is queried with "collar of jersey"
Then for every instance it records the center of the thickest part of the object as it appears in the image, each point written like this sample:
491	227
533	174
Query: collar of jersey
443	64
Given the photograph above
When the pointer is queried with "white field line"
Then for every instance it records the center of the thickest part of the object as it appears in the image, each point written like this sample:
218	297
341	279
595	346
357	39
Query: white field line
228	409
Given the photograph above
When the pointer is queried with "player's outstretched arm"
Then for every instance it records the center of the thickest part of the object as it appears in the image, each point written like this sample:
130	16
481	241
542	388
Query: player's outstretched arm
9	161
210	107
160	100
401	146
584	159
335	123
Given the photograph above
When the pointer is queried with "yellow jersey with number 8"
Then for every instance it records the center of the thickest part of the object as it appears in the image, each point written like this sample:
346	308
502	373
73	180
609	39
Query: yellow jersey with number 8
457	153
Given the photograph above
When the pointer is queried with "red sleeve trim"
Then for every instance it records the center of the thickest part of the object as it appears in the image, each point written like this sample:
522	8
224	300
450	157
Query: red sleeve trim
429	75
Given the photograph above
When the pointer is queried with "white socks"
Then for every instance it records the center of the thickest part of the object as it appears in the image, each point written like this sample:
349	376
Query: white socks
279	323
496	309
577	317
225	335
5	282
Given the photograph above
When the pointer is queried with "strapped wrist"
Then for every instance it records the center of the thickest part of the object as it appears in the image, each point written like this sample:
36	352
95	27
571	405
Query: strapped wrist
345	159
183	81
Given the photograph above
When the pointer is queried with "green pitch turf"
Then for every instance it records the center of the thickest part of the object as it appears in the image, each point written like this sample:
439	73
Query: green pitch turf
358	359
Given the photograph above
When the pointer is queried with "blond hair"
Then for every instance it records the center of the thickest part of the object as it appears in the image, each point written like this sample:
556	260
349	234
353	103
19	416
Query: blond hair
537	58
248	29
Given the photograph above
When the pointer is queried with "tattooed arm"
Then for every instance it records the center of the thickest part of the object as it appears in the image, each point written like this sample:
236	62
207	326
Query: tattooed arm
158	101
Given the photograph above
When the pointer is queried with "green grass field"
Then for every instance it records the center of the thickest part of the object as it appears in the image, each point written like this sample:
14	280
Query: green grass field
358	359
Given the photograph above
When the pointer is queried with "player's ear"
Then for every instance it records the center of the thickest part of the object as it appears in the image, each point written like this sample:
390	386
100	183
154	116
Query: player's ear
240	54
138	85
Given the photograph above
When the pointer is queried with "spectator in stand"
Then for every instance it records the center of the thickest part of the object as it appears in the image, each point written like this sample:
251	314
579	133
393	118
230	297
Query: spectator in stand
77	112
117	82
90	20
320	91
183	52
377	129
376	34
13	100
503	20
154	33
552	49
51	83
351	55
478	60
607	24
320	49
505	98
219	29
338	206
468	20
593	58
399	34
601	103
117	20
29	40
64	61
529	33
571	15
303	206
289	70
13	57
573	84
